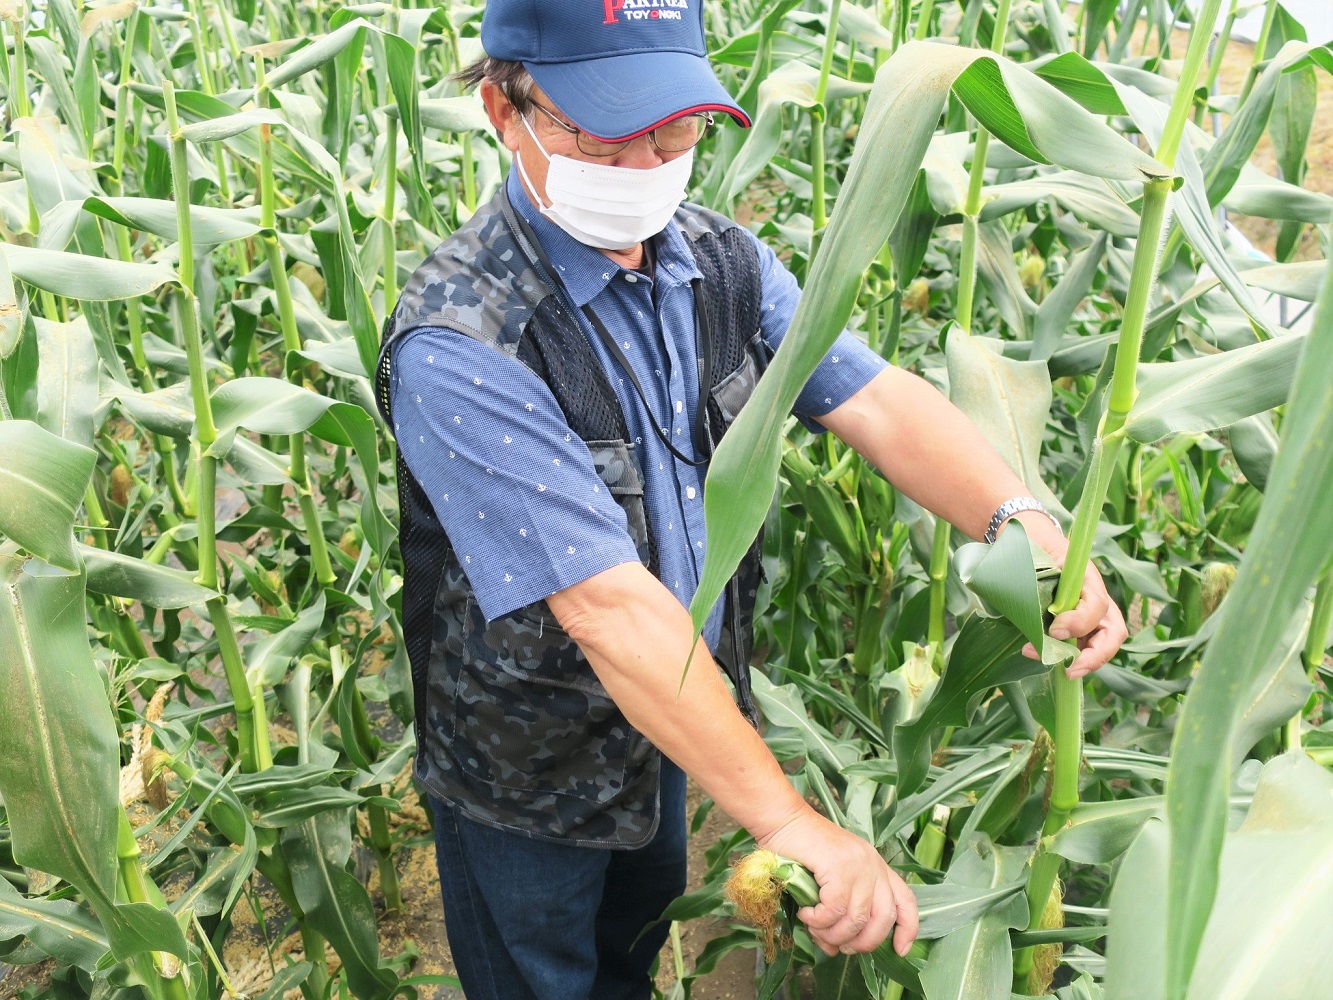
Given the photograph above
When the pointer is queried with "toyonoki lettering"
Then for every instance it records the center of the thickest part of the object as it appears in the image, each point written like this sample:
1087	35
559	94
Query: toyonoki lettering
644	10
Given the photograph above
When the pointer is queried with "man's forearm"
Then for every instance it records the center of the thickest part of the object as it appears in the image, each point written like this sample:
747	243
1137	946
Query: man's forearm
637	638
931	452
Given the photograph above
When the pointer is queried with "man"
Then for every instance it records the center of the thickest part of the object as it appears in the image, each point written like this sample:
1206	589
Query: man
557	374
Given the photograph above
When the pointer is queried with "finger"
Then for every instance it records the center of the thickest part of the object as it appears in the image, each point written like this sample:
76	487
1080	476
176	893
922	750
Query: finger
812	916
881	921
819	919
1030	651
860	907
1092	606
908	919
1100	646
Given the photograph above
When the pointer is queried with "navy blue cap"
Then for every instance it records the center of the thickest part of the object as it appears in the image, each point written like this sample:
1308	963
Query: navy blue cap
616	68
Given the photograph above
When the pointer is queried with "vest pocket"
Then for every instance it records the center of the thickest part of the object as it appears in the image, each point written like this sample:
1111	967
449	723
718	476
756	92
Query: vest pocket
734	390
545	727
618	467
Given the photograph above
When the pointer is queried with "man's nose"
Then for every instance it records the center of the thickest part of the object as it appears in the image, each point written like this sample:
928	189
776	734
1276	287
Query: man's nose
640	154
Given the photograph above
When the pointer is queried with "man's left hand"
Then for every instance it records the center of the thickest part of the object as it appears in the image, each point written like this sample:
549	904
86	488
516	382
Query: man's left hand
1096	624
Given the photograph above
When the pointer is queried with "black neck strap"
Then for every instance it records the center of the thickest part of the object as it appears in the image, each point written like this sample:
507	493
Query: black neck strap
703	441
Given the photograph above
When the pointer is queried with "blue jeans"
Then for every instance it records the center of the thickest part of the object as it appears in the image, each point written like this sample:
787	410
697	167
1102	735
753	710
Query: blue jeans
534	920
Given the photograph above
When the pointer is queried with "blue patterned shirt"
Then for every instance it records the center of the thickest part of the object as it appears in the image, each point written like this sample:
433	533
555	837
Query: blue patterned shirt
515	489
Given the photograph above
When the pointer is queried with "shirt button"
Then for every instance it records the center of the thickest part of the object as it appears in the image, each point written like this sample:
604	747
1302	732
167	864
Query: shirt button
689	492
606	276
631	278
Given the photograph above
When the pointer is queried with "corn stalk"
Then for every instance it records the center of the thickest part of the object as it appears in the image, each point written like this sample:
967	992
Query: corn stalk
1068	735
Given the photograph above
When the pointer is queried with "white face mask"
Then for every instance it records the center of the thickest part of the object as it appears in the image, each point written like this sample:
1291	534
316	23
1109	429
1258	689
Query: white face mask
610	208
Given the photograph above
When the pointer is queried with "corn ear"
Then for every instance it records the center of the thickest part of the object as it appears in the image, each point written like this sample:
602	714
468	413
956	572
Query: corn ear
825	504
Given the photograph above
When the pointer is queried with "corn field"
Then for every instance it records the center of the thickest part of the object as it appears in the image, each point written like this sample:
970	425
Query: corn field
205	699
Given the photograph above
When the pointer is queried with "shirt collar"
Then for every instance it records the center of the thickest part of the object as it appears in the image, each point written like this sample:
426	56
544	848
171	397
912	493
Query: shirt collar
587	271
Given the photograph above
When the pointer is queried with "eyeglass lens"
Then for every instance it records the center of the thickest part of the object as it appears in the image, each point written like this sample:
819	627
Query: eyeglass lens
673	137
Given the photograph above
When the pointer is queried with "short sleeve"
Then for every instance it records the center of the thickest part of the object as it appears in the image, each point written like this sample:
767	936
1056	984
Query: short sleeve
845	370
515	490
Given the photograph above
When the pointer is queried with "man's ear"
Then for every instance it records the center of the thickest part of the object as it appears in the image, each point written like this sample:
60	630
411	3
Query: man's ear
503	115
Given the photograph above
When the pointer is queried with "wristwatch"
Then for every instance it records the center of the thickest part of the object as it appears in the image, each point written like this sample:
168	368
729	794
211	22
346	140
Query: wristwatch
1008	509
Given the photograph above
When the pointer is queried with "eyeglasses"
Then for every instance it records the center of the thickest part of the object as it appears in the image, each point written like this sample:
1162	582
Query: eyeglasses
675	136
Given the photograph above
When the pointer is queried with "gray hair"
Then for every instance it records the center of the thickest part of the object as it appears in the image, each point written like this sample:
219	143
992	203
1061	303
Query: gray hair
513	79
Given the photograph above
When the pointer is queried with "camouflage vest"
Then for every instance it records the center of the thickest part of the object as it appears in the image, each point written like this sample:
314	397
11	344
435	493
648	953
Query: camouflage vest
513	727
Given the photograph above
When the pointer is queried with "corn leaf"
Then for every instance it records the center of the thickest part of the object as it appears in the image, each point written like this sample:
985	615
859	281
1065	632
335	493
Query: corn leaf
1217	390
57	927
66	379
905	105
208	226
57	737
125	576
42	479
82	276
335	903
1288	550
975	962
1275	887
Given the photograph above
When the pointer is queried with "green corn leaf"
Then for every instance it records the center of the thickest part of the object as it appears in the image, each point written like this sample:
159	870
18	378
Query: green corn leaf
1191	208
451	114
57	927
66	379
11	312
1100	832
791	84
80	276
945	907
1007	399
315	54
42	480
1254	445
227	126
1269	198
168	411
57	736
782	706
976	769
278	810
1074	76
985	655
1295	281
335	903
288	978
1265	937
283	777
975	962
125	576
1056	312
904	107
1288	549
270	658
1089	199
999	272
208	226
221	881
56	72
1217	390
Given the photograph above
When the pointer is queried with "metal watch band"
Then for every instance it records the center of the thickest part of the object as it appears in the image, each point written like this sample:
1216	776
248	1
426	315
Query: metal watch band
1008	509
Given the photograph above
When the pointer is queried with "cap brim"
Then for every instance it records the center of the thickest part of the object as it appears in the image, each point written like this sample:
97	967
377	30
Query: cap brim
621	97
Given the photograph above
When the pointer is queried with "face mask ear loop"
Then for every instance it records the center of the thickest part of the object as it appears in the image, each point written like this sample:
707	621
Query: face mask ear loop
522	171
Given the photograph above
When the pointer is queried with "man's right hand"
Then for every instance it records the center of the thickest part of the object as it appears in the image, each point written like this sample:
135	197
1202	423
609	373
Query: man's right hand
861	899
